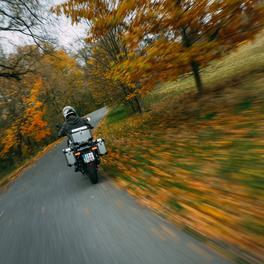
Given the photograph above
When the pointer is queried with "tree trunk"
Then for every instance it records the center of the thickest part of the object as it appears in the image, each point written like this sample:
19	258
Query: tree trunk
197	77
135	103
131	104
138	104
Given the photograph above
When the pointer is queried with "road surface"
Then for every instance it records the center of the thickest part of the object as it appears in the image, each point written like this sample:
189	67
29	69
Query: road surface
52	215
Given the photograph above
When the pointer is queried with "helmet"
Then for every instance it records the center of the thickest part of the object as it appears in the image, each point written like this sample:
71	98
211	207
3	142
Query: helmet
67	111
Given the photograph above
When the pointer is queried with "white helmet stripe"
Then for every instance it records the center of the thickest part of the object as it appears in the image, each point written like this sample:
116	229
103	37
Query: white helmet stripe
66	109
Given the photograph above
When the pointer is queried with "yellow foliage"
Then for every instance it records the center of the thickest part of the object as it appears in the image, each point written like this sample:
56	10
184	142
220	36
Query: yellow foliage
180	33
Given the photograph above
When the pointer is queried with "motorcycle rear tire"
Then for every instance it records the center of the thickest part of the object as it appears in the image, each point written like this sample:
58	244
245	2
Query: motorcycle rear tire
92	173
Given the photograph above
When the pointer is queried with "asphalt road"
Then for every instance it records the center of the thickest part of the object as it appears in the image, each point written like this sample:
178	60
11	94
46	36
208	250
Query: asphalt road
52	215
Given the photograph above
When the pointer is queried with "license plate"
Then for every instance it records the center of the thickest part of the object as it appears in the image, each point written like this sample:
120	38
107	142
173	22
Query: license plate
88	157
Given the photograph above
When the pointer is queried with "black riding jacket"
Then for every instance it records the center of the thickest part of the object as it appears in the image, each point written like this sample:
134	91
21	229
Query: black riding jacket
71	123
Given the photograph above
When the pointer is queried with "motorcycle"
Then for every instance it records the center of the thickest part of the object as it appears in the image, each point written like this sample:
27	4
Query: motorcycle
84	152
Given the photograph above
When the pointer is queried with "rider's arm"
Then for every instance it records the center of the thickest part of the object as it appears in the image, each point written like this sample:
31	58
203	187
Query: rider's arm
62	131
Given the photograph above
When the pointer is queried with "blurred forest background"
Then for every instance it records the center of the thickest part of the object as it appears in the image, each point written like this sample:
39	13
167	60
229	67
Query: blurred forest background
36	81
184	83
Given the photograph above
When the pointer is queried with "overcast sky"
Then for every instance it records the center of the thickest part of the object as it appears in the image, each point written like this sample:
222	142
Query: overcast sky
62	30
67	34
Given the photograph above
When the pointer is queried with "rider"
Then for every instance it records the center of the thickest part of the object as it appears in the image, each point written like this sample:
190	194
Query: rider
72	121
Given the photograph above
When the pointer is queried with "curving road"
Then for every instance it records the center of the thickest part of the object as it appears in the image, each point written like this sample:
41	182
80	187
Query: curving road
52	215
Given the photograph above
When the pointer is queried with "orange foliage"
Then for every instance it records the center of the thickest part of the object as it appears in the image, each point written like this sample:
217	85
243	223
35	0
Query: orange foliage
163	39
29	126
34	126
10	139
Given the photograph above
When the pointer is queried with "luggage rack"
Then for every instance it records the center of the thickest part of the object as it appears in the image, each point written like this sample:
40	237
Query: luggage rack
80	135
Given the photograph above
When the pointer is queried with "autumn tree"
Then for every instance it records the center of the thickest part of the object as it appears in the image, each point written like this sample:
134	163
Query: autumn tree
164	39
168	38
104	38
34	127
27	127
96	63
30	108
64	83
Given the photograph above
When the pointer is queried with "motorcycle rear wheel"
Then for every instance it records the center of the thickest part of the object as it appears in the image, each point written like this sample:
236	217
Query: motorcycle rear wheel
92	173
